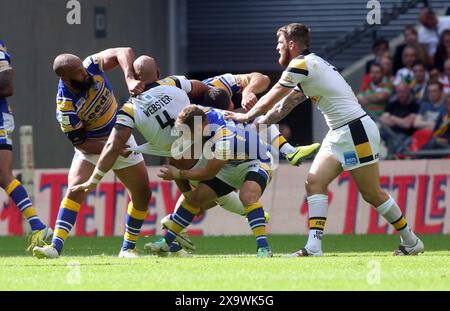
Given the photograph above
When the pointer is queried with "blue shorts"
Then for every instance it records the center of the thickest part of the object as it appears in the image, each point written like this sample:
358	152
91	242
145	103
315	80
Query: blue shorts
6	129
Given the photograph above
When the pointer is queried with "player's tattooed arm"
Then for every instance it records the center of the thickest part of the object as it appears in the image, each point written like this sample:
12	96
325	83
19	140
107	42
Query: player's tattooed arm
276	93
283	108
6	83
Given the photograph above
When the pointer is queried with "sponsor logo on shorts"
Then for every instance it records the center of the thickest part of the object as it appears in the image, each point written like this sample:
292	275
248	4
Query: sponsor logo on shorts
350	158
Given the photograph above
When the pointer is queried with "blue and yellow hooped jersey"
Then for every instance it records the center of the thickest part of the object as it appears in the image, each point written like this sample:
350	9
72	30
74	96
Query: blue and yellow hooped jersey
95	110
233	84
233	141
5	64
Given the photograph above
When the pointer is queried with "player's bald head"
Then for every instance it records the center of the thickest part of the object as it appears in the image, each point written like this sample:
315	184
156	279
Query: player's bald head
146	69
66	64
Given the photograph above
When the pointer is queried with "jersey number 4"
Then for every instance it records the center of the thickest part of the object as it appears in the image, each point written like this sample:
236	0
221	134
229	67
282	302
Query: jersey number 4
169	120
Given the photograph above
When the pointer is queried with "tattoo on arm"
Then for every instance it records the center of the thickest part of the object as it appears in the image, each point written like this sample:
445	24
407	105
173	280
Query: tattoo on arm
283	108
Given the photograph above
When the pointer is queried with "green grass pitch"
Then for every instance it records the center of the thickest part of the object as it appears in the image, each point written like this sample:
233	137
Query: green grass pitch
228	263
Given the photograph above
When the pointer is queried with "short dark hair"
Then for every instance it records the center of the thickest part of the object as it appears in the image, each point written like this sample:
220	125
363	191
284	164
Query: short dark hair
296	32
188	114
436	82
216	98
419	63
410	28
378	42
376	64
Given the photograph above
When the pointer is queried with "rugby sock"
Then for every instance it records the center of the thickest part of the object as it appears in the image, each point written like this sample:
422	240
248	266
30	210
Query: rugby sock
20	197
257	222
232	203
66	219
392	213
181	219
134	220
273	135
318	209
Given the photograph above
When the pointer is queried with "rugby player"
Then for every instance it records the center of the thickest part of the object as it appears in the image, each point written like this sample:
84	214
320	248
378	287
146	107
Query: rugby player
40	233
238	166
352	143
86	111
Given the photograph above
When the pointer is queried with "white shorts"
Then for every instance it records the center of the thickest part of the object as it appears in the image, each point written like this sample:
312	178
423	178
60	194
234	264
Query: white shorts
234	176
355	144
6	129
133	159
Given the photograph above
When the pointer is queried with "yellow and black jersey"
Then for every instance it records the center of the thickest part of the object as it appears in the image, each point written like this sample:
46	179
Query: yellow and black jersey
233	84
93	112
5	64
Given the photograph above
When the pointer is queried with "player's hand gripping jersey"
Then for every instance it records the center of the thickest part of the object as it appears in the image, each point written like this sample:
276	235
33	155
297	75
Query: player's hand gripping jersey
91	113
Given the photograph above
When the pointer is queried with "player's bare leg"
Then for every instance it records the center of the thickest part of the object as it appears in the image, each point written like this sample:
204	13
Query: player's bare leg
324	169
135	180
367	178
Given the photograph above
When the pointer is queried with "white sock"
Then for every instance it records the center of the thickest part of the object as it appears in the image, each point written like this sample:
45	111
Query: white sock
272	134
392	213
318	210
231	203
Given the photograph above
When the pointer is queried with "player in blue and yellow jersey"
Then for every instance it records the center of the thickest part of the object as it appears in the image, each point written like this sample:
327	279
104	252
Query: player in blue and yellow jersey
40	233
225	86
236	155
86	110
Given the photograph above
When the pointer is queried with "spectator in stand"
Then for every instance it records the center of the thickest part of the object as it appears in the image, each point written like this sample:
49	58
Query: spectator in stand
411	38
434	74
441	132
443	50
445	77
431	29
399	116
387	64
419	83
379	48
406	74
376	96
431	109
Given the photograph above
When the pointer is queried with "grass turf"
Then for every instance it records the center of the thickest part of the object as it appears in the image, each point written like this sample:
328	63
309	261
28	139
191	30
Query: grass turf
228	263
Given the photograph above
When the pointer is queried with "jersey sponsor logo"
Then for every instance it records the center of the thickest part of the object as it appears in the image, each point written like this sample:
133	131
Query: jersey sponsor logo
65	120
350	158
80	103
286	77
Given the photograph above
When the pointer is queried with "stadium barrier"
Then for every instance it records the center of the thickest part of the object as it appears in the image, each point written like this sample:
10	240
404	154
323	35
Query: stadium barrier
421	188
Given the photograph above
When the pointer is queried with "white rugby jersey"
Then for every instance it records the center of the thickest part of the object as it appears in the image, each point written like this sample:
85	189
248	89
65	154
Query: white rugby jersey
154	112
322	82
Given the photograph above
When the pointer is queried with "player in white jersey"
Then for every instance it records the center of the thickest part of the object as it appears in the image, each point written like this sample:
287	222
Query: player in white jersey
352	143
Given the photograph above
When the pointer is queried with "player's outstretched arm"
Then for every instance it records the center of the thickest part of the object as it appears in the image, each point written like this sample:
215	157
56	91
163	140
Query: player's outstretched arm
208	172
123	57
276	93
283	108
114	147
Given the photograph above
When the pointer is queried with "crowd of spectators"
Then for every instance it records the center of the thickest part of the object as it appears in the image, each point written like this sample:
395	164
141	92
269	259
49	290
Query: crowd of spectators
409	93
